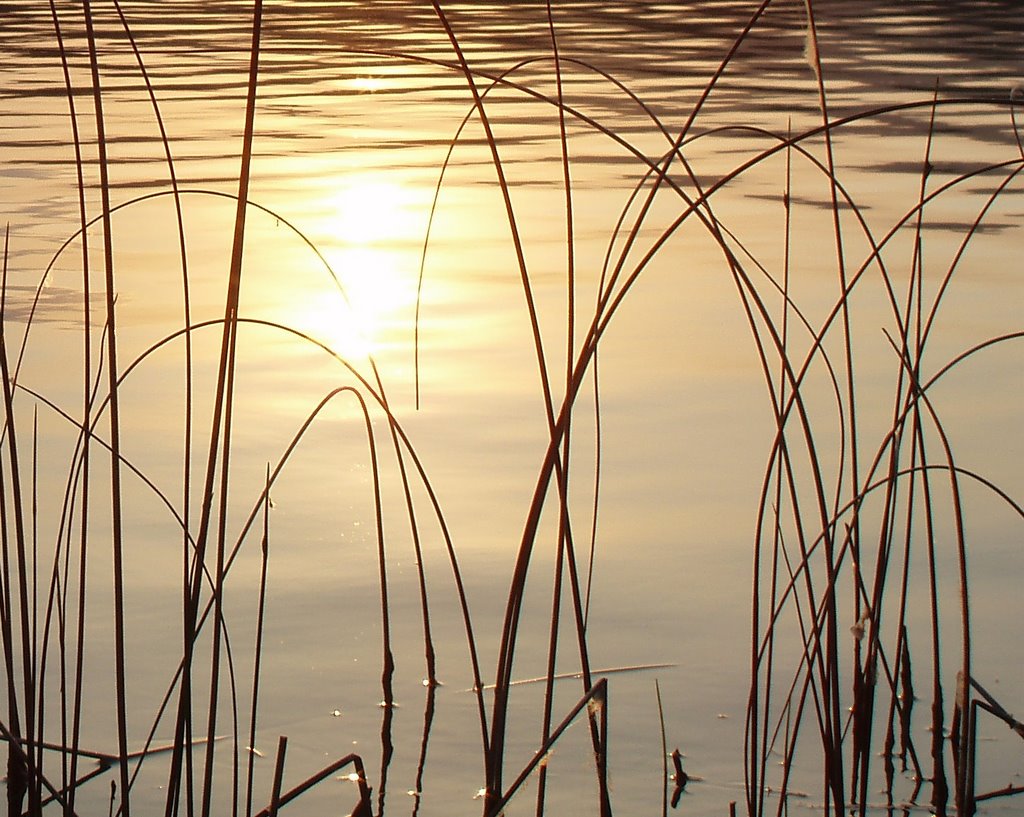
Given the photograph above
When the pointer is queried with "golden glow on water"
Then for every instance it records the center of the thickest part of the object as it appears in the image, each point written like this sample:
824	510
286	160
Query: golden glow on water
329	319
377	290
369	210
369	224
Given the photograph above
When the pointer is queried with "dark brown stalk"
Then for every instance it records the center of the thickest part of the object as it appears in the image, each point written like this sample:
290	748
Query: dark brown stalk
21	771
387	658
37	658
757	766
825	530
258	652
557	430
414	530
71	769
940	790
755	308
885	545
906	698
661	176
965	786
61	581
563	108
421	763
493	758
223	414
387	751
183	726
570	354
912	317
940	785
664	751
499	169
834	752
236	728
115	422
493	754
961	726
549	683
960	704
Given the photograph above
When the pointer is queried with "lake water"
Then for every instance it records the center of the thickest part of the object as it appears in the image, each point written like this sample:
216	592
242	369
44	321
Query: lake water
375	199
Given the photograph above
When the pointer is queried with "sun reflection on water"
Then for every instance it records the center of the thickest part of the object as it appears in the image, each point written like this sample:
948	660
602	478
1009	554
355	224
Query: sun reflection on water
368	209
371	225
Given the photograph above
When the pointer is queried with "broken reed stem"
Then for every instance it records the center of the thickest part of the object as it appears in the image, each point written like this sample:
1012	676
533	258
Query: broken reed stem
363	807
275	792
596	695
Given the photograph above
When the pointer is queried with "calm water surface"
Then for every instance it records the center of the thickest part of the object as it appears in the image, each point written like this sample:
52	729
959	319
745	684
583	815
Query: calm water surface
359	109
